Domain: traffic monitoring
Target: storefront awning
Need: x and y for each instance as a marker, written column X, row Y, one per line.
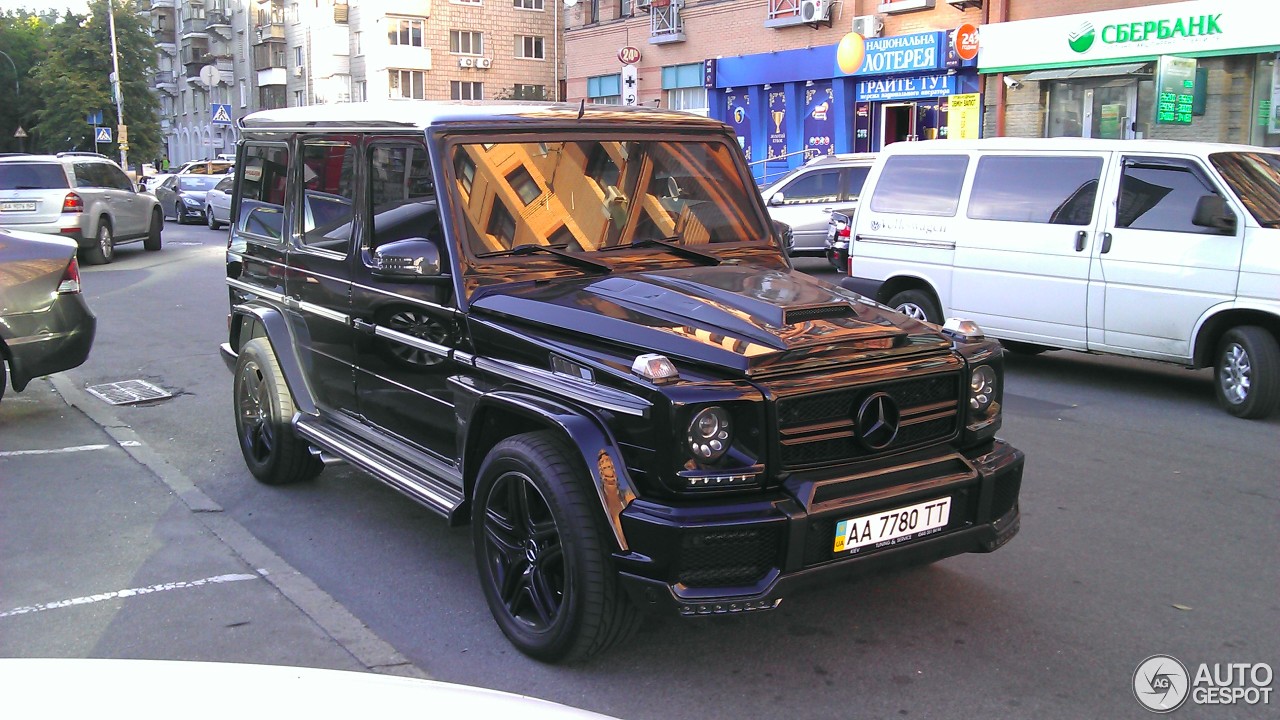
column 1087, row 72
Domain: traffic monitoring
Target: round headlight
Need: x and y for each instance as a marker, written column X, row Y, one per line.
column 709, row 434
column 982, row 388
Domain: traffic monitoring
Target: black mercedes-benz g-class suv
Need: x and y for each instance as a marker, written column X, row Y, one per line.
column 574, row 328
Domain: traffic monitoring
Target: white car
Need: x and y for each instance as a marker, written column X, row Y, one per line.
column 217, row 203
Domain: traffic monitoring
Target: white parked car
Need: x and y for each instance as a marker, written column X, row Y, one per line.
column 805, row 197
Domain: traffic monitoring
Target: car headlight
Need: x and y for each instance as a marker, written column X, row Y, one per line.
column 709, row 434
column 982, row 389
column 190, row 201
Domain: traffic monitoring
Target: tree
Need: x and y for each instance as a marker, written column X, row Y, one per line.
column 24, row 38
column 76, row 79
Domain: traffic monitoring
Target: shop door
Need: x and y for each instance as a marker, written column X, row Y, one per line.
column 1099, row 110
column 897, row 123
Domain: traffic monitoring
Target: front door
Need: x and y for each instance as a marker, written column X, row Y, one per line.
column 897, row 123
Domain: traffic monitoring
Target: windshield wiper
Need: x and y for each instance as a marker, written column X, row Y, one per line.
column 529, row 249
column 682, row 250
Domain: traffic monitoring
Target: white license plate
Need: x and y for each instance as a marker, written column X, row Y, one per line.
column 17, row 206
column 893, row 526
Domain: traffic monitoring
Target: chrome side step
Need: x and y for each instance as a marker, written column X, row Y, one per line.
column 434, row 493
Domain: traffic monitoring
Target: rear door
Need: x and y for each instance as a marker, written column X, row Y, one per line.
column 32, row 192
column 129, row 209
column 1022, row 265
column 1158, row 273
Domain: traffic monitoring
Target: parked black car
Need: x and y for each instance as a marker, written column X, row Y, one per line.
column 575, row 328
column 182, row 197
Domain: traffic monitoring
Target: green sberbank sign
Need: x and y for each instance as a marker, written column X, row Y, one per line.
column 1192, row 29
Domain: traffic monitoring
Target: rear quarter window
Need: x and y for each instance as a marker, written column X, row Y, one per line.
column 920, row 185
column 32, row 176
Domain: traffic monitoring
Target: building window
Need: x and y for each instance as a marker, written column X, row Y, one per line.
column 529, row 4
column 605, row 89
column 294, row 15
column 529, row 92
column 467, row 2
column 462, row 90
column 406, row 84
column 531, row 47
column 360, row 93
column 357, row 47
column 244, row 94
column 297, row 54
column 684, row 88
column 466, row 42
column 405, row 31
column 297, row 98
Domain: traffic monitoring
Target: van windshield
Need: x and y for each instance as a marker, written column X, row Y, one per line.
column 1255, row 178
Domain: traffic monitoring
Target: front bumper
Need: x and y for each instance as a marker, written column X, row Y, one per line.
column 736, row 557
column 51, row 341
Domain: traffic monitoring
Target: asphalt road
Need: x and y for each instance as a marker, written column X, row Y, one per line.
column 1149, row 526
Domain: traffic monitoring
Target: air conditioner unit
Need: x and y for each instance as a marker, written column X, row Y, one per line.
column 299, row 71
column 466, row 62
column 815, row 11
column 641, row 5
column 484, row 63
column 868, row 26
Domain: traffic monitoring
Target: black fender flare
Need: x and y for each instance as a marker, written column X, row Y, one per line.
column 586, row 433
column 279, row 333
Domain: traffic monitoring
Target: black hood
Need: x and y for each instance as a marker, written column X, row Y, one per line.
column 748, row 319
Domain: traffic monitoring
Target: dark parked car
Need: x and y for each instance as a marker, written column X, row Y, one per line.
column 182, row 197
column 575, row 329
column 45, row 324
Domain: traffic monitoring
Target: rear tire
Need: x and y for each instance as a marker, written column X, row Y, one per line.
column 917, row 305
column 542, row 552
column 1247, row 372
column 153, row 240
column 209, row 220
column 103, row 249
column 264, row 416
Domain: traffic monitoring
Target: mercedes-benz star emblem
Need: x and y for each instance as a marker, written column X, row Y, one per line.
column 876, row 422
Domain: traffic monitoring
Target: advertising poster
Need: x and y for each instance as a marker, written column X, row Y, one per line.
column 964, row 119
column 819, row 119
column 1110, row 126
column 739, row 118
column 777, row 124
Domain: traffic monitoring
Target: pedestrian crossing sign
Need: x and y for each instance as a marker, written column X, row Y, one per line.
column 221, row 114
column 102, row 134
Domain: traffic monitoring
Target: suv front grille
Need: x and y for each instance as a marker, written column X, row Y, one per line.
column 725, row 557
column 818, row 428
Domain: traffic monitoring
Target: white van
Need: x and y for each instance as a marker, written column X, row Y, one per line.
column 1153, row 249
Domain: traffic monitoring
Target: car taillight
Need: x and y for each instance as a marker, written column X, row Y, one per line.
column 70, row 279
column 72, row 203
column 842, row 229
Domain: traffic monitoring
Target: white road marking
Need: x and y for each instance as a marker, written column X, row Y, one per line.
column 130, row 592
column 54, row 451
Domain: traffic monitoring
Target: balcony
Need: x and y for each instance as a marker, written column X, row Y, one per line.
column 219, row 21
column 163, row 80
column 193, row 28
column 783, row 13
column 161, row 4
column 666, row 25
column 265, row 32
column 269, row 56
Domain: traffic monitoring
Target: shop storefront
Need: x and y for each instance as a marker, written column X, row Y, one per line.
column 1202, row 70
column 855, row 96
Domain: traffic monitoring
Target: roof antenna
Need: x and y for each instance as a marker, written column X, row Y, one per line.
column 582, row 108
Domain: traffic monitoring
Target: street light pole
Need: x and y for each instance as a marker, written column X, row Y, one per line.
column 17, row 100
column 115, row 85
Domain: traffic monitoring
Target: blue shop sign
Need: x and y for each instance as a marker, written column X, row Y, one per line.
column 854, row 55
column 903, row 88
column 894, row 54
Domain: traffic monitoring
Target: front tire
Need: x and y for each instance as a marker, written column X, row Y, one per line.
column 1247, row 372
column 153, row 240
column 177, row 213
column 541, row 552
column 264, row 413
column 918, row 305
column 103, row 250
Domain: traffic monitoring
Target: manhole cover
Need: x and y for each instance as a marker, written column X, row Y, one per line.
column 127, row 392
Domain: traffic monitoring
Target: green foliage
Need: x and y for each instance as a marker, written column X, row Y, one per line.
column 68, row 74
column 23, row 37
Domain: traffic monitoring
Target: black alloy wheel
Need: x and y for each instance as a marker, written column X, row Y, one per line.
column 264, row 411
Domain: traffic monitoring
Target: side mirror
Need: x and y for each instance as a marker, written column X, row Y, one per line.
column 1212, row 212
column 777, row 198
column 406, row 259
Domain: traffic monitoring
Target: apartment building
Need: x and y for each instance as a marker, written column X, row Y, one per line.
column 218, row 60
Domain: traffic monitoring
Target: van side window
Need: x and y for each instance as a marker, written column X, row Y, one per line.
column 920, row 185
column 1161, row 194
column 262, row 191
column 1057, row 190
column 328, row 172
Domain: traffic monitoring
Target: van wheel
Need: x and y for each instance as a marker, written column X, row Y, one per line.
column 918, row 305
column 541, row 551
column 1248, row 372
column 1022, row 348
column 264, row 413
column 103, row 249
column 153, row 241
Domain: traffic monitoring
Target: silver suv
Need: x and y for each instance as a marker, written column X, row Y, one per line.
column 805, row 197
column 82, row 196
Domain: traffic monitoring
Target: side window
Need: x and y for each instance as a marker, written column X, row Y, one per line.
column 814, row 187
column 402, row 193
column 88, row 175
column 119, row 180
column 857, row 178
column 920, row 185
column 1057, row 190
column 328, row 172
column 225, row 184
column 1161, row 194
column 261, row 191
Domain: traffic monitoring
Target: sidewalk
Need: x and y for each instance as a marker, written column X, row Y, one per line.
column 106, row 551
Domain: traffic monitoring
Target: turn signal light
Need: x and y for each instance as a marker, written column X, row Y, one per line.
column 70, row 279
column 72, row 203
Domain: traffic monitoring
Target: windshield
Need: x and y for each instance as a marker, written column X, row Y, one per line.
column 198, row 182
column 586, row 196
column 1255, row 178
